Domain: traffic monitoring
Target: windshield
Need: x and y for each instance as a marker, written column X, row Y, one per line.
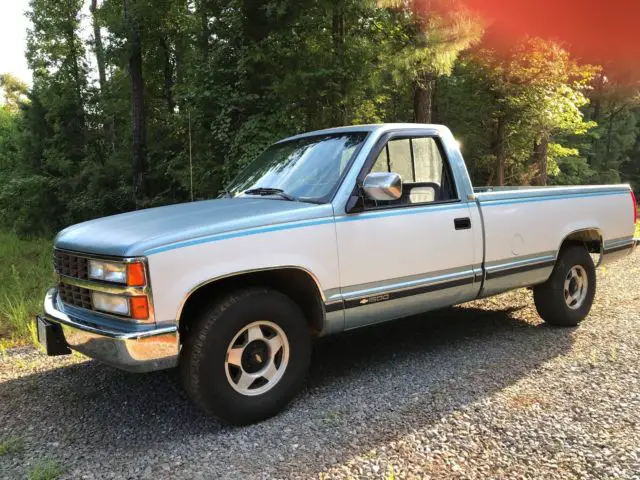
column 307, row 169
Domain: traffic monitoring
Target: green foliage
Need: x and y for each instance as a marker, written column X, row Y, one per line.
column 25, row 276
column 11, row 446
column 46, row 470
column 223, row 79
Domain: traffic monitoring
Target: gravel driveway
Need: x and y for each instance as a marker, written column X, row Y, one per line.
column 483, row 390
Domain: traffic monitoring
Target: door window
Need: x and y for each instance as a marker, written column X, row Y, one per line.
column 425, row 174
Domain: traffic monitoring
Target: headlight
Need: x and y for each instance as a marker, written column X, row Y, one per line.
column 107, row 271
column 105, row 302
column 126, row 273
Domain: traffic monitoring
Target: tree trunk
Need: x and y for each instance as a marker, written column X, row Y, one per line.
column 139, row 143
column 596, row 101
column 435, row 107
column 337, row 34
column 204, row 31
column 500, row 150
column 168, row 74
column 540, row 157
column 423, row 99
column 98, row 48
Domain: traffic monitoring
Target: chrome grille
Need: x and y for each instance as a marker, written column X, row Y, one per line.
column 70, row 265
column 76, row 296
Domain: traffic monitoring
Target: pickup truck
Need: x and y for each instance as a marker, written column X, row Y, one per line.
column 324, row 232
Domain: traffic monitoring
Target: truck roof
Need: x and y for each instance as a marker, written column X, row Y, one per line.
column 368, row 128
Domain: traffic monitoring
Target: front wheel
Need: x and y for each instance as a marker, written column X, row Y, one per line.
column 247, row 356
column 565, row 299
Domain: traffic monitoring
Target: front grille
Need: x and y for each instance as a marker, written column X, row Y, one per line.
column 76, row 296
column 70, row 265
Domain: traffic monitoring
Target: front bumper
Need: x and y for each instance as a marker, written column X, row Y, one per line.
column 131, row 350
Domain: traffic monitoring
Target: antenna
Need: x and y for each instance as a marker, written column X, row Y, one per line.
column 190, row 159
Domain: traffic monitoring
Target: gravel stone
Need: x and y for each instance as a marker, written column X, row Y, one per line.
column 483, row 390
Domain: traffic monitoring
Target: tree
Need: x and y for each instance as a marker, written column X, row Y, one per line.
column 203, row 86
column 538, row 93
column 437, row 32
column 15, row 91
column 139, row 134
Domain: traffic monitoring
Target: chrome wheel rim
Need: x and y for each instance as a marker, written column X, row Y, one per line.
column 576, row 286
column 257, row 358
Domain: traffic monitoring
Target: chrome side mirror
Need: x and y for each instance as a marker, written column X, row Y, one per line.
column 382, row 186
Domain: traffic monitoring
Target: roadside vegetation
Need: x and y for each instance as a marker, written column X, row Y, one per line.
column 46, row 470
column 24, row 277
column 11, row 446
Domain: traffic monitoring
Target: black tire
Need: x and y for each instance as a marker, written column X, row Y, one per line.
column 549, row 297
column 204, row 353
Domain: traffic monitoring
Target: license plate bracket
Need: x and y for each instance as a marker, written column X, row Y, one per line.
column 51, row 337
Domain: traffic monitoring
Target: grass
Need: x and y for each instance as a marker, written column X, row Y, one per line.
column 11, row 446
column 46, row 470
column 25, row 275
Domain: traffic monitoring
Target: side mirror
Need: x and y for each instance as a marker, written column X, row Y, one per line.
column 382, row 186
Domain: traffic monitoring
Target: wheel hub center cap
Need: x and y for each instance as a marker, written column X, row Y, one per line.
column 255, row 356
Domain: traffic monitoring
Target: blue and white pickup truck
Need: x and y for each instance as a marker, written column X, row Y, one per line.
column 324, row 232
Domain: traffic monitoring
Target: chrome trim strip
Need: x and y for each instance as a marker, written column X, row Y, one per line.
column 499, row 267
column 629, row 245
column 384, row 291
column 609, row 244
column 408, row 285
column 98, row 286
column 108, row 258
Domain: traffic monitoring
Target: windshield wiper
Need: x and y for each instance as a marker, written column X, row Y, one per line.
column 270, row 191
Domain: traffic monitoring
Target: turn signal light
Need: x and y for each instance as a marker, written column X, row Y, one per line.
column 139, row 307
column 135, row 274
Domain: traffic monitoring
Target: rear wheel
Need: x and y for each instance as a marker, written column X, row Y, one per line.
column 247, row 356
column 565, row 299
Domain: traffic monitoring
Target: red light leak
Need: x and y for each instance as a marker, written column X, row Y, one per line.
column 600, row 32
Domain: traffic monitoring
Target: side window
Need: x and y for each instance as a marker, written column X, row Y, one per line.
column 396, row 157
column 428, row 160
column 400, row 158
column 425, row 174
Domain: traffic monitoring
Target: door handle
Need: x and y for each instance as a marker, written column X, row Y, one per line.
column 463, row 223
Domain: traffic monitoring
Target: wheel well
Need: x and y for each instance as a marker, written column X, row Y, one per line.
column 297, row 284
column 591, row 238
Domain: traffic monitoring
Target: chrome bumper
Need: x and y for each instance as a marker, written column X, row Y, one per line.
column 135, row 351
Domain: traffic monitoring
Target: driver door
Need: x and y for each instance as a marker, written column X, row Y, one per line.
column 406, row 256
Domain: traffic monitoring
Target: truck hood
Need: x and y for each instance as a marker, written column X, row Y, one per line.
column 138, row 233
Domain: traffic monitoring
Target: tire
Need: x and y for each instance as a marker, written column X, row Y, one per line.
column 561, row 302
column 280, row 348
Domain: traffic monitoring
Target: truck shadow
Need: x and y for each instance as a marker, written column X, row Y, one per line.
column 380, row 382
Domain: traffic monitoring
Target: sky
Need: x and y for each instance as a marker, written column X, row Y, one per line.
column 13, row 38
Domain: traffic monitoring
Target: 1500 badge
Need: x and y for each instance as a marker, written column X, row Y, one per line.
column 377, row 298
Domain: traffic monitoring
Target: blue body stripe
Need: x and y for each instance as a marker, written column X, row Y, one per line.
column 365, row 216
column 507, row 201
column 236, row 234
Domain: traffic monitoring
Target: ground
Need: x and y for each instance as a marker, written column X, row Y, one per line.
column 479, row 391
